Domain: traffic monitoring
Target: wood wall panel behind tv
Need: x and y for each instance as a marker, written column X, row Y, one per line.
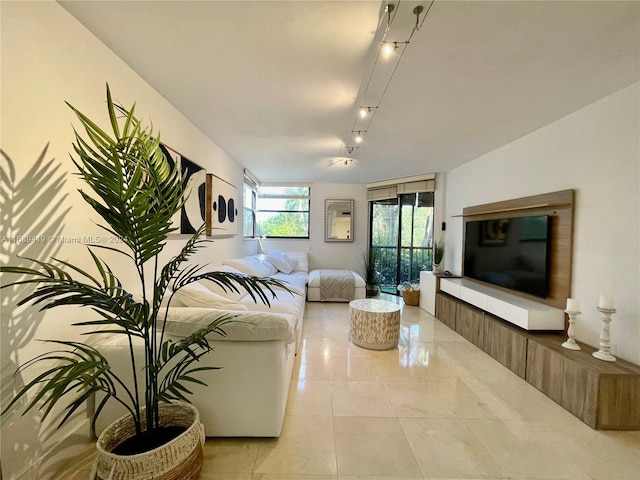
column 559, row 207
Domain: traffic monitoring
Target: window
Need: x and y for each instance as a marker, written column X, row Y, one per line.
column 401, row 226
column 283, row 211
column 250, row 194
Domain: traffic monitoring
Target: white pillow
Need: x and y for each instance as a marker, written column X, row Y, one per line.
column 303, row 260
column 281, row 261
column 253, row 265
column 195, row 294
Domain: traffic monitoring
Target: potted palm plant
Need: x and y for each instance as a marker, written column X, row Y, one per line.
column 136, row 192
column 370, row 273
column 438, row 255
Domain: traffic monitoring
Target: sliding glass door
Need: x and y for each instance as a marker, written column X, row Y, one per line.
column 401, row 238
column 384, row 235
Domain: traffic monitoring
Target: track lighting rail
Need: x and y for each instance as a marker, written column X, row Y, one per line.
column 385, row 50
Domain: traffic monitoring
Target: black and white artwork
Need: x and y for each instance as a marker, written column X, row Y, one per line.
column 222, row 207
column 193, row 213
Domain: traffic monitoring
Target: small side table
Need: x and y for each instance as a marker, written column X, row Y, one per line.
column 374, row 324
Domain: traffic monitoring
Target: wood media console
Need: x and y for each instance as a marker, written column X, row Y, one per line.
column 604, row 395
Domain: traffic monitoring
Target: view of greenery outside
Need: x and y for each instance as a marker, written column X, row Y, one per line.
column 384, row 240
column 402, row 235
column 283, row 212
column 248, row 228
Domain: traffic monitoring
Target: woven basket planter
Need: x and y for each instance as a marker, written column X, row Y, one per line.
column 411, row 297
column 179, row 459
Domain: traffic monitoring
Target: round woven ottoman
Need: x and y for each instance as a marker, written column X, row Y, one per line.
column 374, row 324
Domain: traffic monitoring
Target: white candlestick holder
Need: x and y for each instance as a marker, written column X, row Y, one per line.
column 604, row 353
column 570, row 343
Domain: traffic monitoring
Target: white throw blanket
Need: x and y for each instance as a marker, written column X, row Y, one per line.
column 337, row 285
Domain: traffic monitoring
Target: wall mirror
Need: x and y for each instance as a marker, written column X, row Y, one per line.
column 338, row 220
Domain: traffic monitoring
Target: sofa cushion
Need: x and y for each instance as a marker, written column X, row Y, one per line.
column 284, row 302
column 255, row 265
column 281, row 261
column 196, row 294
column 303, row 261
column 295, row 281
column 245, row 326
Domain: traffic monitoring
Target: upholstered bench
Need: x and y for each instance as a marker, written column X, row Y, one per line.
column 335, row 286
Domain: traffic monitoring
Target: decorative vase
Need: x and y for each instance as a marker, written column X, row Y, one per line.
column 178, row 459
column 438, row 268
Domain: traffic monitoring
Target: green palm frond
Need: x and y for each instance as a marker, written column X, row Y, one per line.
column 137, row 191
column 187, row 351
column 234, row 282
column 56, row 287
column 173, row 266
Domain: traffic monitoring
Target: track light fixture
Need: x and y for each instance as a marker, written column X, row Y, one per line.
column 386, row 49
column 364, row 111
column 389, row 47
column 417, row 11
column 388, row 9
column 358, row 137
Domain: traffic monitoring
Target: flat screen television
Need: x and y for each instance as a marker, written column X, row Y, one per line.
column 509, row 252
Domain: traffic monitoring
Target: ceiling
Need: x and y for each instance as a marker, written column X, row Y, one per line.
column 278, row 84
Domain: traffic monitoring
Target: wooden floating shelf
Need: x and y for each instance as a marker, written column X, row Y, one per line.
column 515, row 209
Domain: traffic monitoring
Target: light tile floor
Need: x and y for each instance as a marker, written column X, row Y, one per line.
column 435, row 408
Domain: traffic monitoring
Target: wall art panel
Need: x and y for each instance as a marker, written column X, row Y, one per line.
column 193, row 213
column 222, row 207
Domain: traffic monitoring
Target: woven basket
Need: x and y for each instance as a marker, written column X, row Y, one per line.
column 179, row 459
column 411, row 297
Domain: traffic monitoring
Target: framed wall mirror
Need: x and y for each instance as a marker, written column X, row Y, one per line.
column 338, row 220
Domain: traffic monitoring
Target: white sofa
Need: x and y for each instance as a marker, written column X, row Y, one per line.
column 247, row 396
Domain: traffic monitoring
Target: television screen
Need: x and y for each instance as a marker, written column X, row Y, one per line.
column 509, row 252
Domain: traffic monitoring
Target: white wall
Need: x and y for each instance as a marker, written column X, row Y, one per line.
column 596, row 152
column 49, row 58
column 347, row 255
column 440, row 207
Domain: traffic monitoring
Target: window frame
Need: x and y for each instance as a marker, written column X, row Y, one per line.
column 249, row 210
column 274, row 196
column 402, row 254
